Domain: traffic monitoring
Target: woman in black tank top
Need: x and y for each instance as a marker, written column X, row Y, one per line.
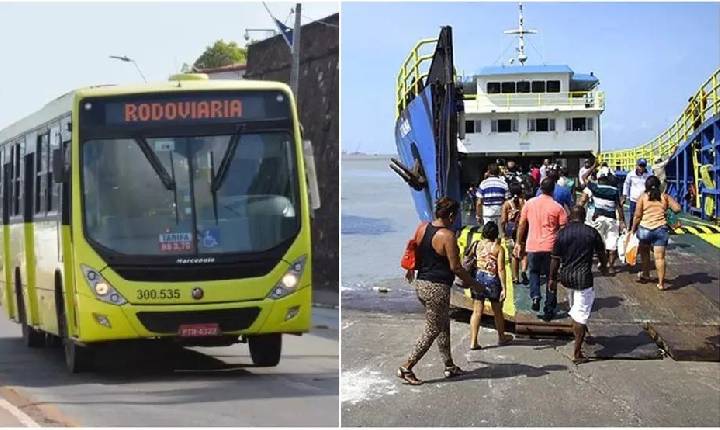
column 436, row 274
column 432, row 266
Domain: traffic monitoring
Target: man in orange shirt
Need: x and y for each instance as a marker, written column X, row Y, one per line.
column 540, row 220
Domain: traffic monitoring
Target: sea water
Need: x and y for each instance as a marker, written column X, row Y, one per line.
column 378, row 218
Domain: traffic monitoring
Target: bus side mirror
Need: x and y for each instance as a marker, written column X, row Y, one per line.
column 311, row 175
column 58, row 157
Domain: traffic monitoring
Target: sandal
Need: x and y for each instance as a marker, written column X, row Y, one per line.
column 408, row 376
column 661, row 287
column 475, row 348
column 452, row 371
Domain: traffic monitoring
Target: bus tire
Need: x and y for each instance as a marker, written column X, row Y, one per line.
column 31, row 338
column 77, row 358
column 265, row 349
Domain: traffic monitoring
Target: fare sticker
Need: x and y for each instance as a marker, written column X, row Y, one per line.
column 175, row 242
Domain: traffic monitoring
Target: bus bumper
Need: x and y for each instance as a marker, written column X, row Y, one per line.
column 99, row 322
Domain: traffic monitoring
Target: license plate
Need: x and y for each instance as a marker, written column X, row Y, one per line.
column 196, row 330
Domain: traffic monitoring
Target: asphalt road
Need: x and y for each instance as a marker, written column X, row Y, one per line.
column 154, row 386
column 531, row 382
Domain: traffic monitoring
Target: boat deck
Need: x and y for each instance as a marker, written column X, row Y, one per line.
column 632, row 320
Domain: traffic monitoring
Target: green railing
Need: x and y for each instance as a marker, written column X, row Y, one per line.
column 414, row 69
column 704, row 104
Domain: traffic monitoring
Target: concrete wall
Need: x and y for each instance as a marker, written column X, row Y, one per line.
column 318, row 107
column 228, row 74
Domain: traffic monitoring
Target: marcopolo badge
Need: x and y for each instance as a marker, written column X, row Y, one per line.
column 197, row 293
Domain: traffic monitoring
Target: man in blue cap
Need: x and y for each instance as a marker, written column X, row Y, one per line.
column 635, row 186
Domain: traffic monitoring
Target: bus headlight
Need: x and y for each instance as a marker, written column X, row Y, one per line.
column 101, row 288
column 290, row 280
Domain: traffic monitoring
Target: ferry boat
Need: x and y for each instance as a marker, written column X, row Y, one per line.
column 448, row 128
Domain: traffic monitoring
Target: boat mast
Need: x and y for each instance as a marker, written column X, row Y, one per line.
column 521, row 32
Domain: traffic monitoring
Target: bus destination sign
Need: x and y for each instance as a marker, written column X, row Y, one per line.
column 184, row 108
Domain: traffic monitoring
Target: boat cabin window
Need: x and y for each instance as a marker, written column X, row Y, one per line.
column 472, row 126
column 508, row 87
column 523, row 87
column 541, row 124
column 553, row 86
column 538, row 86
column 579, row 124
column 493, row 87
column 503, row 125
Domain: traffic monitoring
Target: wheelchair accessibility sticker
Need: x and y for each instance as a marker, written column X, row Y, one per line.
column 210, row 238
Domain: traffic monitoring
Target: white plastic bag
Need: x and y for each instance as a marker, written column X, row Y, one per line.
column 621, row 247
column 631, row 250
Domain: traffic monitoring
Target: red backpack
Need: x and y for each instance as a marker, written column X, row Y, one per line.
column 409, row 257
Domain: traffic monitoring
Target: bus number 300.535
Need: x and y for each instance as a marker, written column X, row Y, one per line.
column 158, row 294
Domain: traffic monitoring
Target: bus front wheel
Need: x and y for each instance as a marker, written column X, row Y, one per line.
column 77, row 358
column 265, row 349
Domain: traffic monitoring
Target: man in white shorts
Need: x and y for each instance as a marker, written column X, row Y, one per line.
column 608, row 217
column 571, row 259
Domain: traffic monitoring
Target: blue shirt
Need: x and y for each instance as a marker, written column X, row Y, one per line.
column 561, row 195
column 493, row 191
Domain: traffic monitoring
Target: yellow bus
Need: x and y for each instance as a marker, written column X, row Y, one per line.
column 176, row 211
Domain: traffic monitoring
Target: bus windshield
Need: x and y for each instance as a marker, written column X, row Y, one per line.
column 222, row 193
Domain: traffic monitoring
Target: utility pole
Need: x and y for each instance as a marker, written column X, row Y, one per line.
column 295, row 67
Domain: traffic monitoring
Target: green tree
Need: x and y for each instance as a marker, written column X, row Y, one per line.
column 221, row 54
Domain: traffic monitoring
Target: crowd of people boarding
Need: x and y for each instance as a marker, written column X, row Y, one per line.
column 554, row 224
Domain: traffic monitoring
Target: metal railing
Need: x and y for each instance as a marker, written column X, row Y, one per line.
column 704, row 104
column 583, row 99
column 412, row 73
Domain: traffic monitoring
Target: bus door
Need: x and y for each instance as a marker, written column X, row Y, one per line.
column 8, row 300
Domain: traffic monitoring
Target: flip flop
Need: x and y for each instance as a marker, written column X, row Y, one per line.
column 475, row 348
column 580, row 360
column 505, row 340
column 641, row 279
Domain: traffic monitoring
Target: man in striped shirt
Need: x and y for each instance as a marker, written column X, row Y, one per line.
column 491, row 194
column 609, row 218
column 572, row 257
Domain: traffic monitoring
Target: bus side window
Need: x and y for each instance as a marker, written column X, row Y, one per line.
column 53, row 195
column 17, row 178
column 41, row 170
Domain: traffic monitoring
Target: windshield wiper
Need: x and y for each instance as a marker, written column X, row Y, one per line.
column 219, row 178
column 155, row 162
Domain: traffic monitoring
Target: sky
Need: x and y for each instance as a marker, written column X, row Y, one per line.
column 51, row 48
column 649, row 57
